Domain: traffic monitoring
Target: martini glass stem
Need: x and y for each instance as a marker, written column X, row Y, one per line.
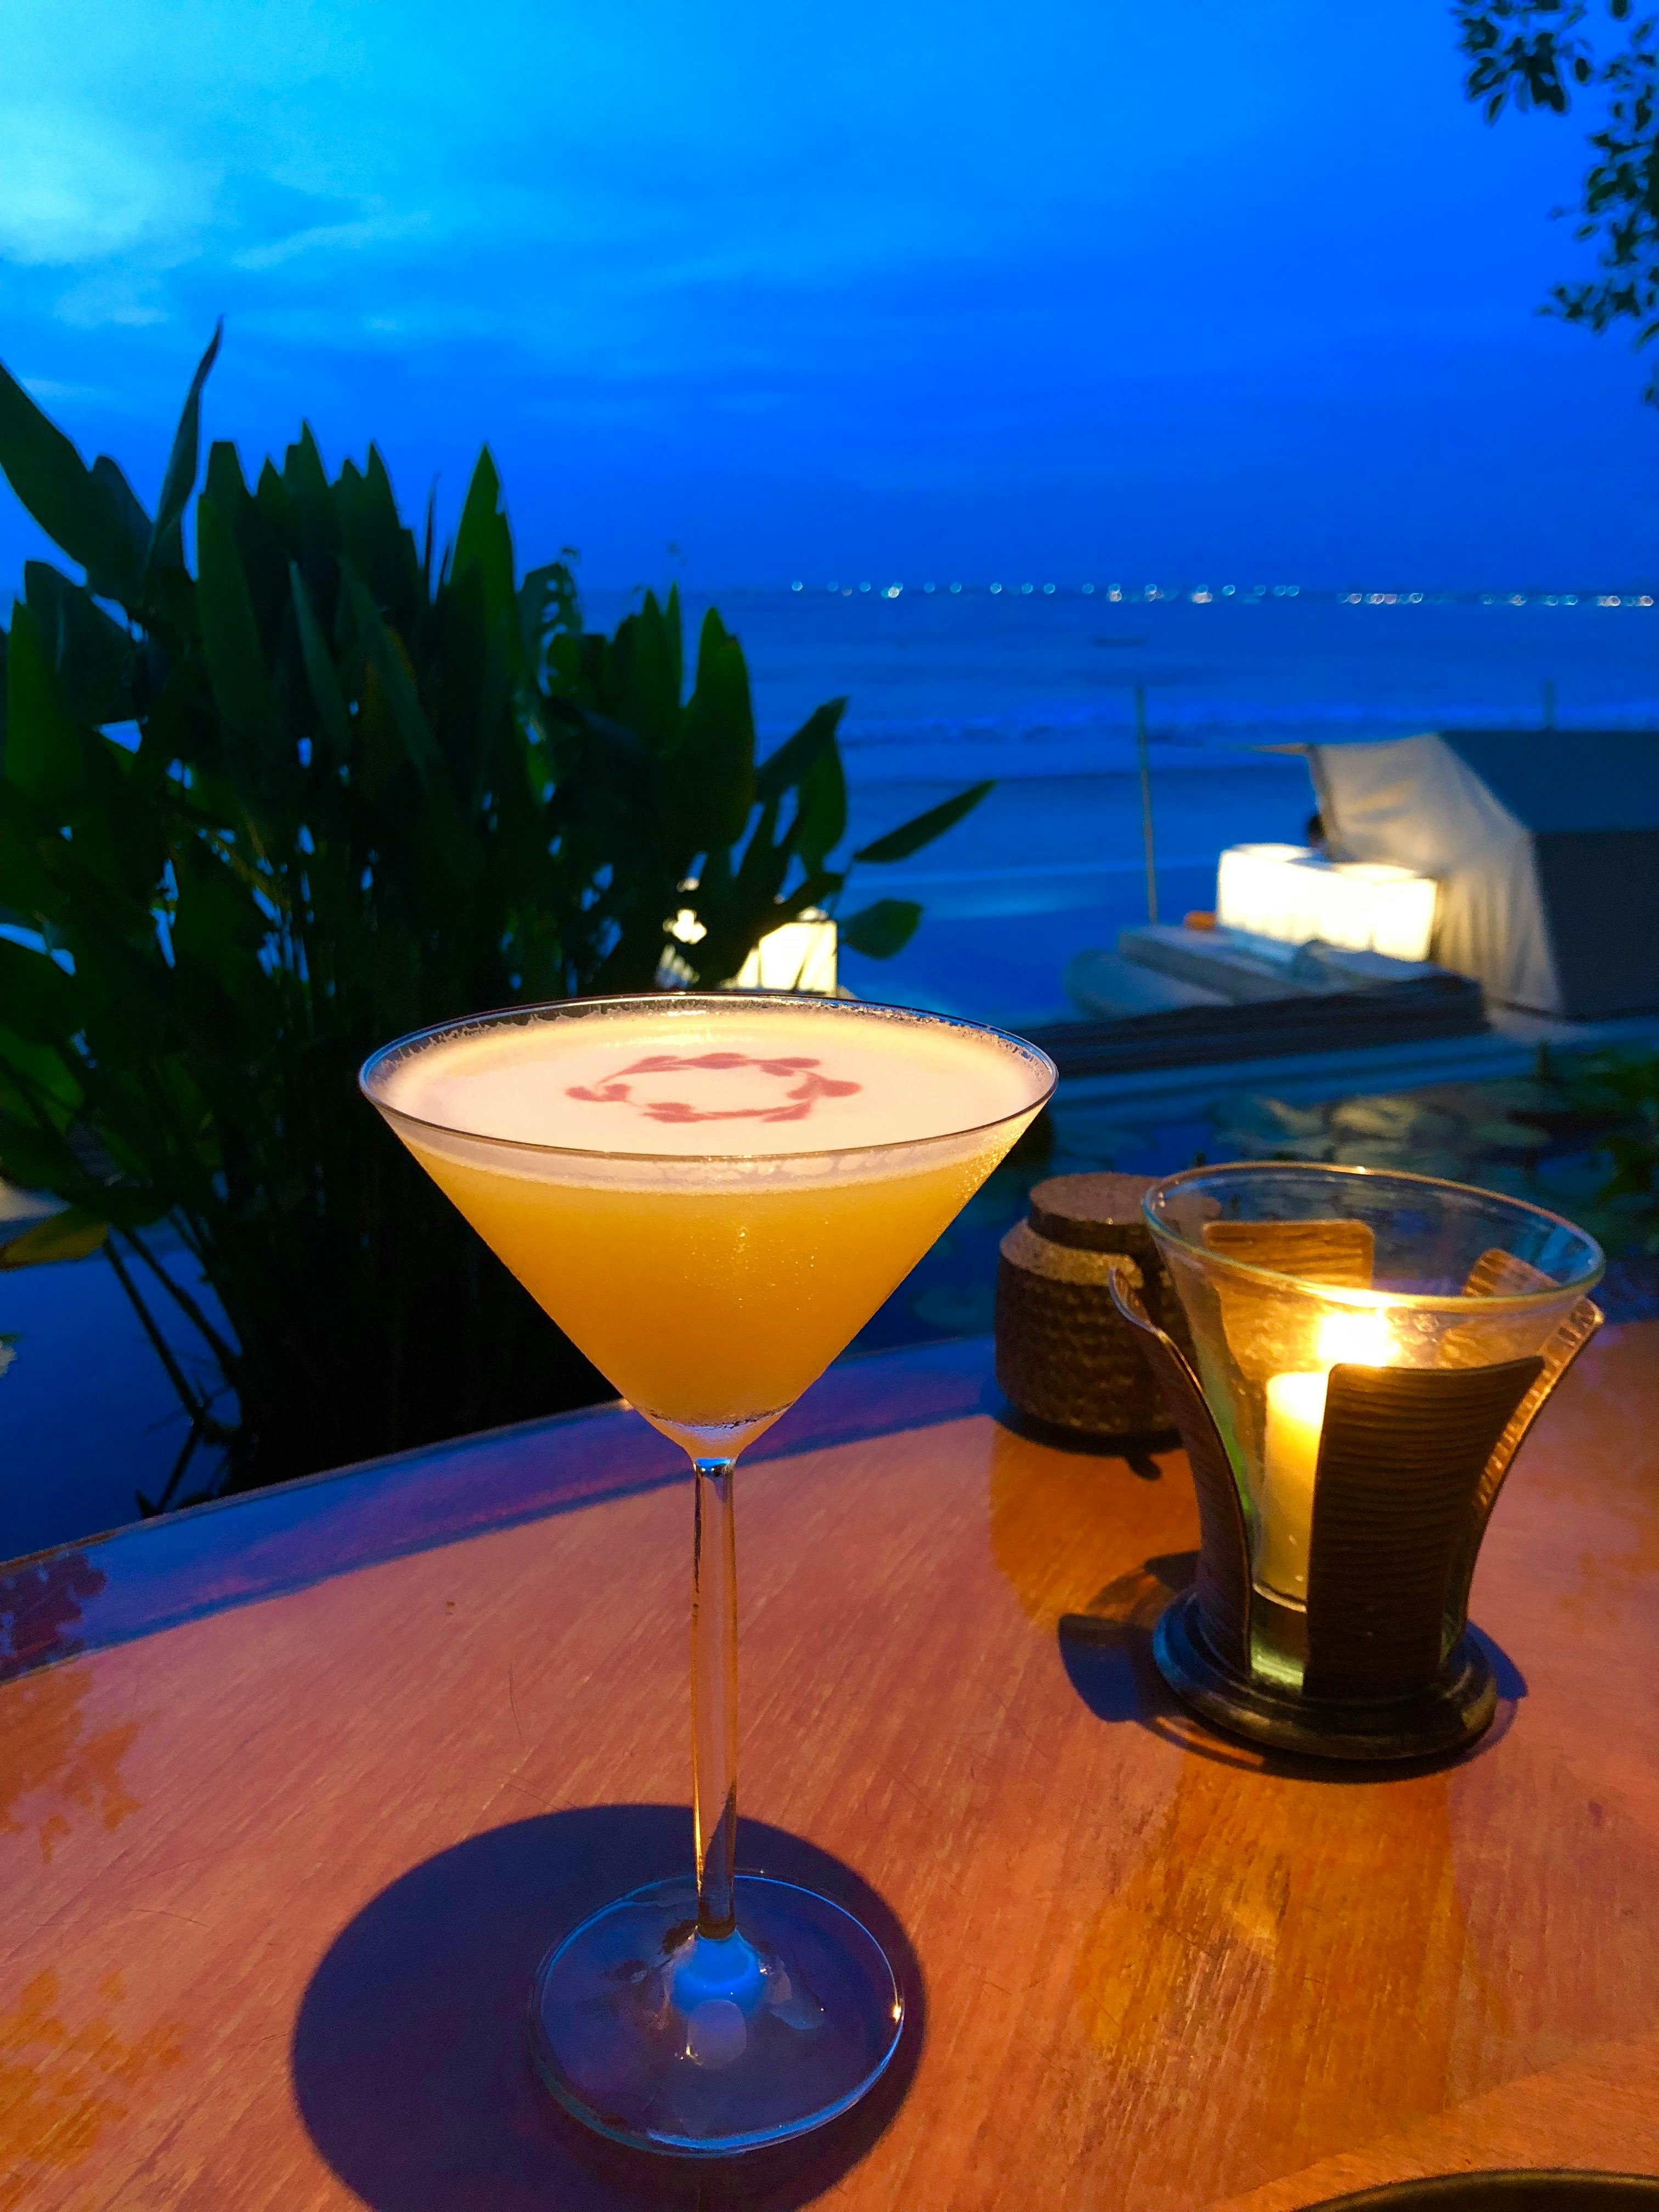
column 714, row 1696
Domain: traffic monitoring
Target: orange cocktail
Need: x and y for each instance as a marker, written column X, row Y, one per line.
column 711, row 1196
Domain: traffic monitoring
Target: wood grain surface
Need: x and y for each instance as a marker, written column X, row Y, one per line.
column 281, row 1848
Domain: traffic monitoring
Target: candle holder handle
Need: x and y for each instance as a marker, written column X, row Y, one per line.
column 1495, row 1273
column 1220, row 1599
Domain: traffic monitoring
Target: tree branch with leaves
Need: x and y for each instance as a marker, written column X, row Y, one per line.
column 1538, row 54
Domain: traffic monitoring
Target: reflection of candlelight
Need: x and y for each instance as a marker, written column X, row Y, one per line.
column 1290, row 1457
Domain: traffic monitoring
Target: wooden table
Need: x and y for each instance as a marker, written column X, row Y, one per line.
column 283, row 1844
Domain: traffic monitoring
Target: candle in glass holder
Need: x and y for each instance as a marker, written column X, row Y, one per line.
column 1290, row 1453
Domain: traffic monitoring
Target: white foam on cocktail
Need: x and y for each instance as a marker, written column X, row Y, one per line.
column 679, row 1080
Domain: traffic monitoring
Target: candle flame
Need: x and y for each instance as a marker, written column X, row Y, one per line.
column 1360, row 1340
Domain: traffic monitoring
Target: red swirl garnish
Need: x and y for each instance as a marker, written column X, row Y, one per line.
column 797, row 1104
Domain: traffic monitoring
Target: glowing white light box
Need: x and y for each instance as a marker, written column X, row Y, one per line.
column 1288, row 892
column 798, row 956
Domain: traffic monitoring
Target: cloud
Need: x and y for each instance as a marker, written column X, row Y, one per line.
column 75, row 189
column 379, row 227
column 126, row 298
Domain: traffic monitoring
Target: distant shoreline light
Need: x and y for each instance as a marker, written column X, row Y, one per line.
column 1204, row 595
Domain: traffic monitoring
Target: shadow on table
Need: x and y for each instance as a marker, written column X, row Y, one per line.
column 1107, row 1652
column 412, row 2064
column 1139, row 1452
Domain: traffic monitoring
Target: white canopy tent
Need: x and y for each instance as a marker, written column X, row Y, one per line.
column 1545, row 845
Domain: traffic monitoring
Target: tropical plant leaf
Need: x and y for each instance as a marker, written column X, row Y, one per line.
column 765, row 862
column 43, row 759
column 73, row 504
column 391, row 664
column 796, row 755
column 40, row 999
column 41, row 1087
column 128, row 510
column 93, row 656
column 709, row 786
column 376, row 541
column 646, row 661
column 881, row 929
column 230, row 636
column 820, row 821
column 305, row 481
column 910, row 836
column 260, row 538
column 483, row 540
column 166, row 544
column 325, row 684
column 71, row 1235
column 674, row 631
column 815, row 889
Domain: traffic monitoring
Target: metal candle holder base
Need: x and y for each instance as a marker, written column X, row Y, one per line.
column 1443, row 1716
column 1376, row 1662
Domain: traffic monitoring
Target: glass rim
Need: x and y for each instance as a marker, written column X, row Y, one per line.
column 1352, row 1294
column 795, row 1000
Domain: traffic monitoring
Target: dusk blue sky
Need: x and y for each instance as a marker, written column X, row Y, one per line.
column 1101, row 290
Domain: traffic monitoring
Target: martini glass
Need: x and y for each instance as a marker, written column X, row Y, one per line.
column 711, row 1196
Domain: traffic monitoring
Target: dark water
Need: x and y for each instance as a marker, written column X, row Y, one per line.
column 1487, row 1134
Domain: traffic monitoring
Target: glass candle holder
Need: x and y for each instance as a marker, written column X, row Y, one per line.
column 1368, row 1351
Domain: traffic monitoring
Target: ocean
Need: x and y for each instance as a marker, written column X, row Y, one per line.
column 1035, row 689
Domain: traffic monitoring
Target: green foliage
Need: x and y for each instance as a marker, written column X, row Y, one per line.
column 1530, row 53
column 899, row 844
column 71, row 1235
column 331, row 786
column 1615, row 1098
column 882, row 929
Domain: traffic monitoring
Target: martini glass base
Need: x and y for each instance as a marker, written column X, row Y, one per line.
column 658, row 2038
